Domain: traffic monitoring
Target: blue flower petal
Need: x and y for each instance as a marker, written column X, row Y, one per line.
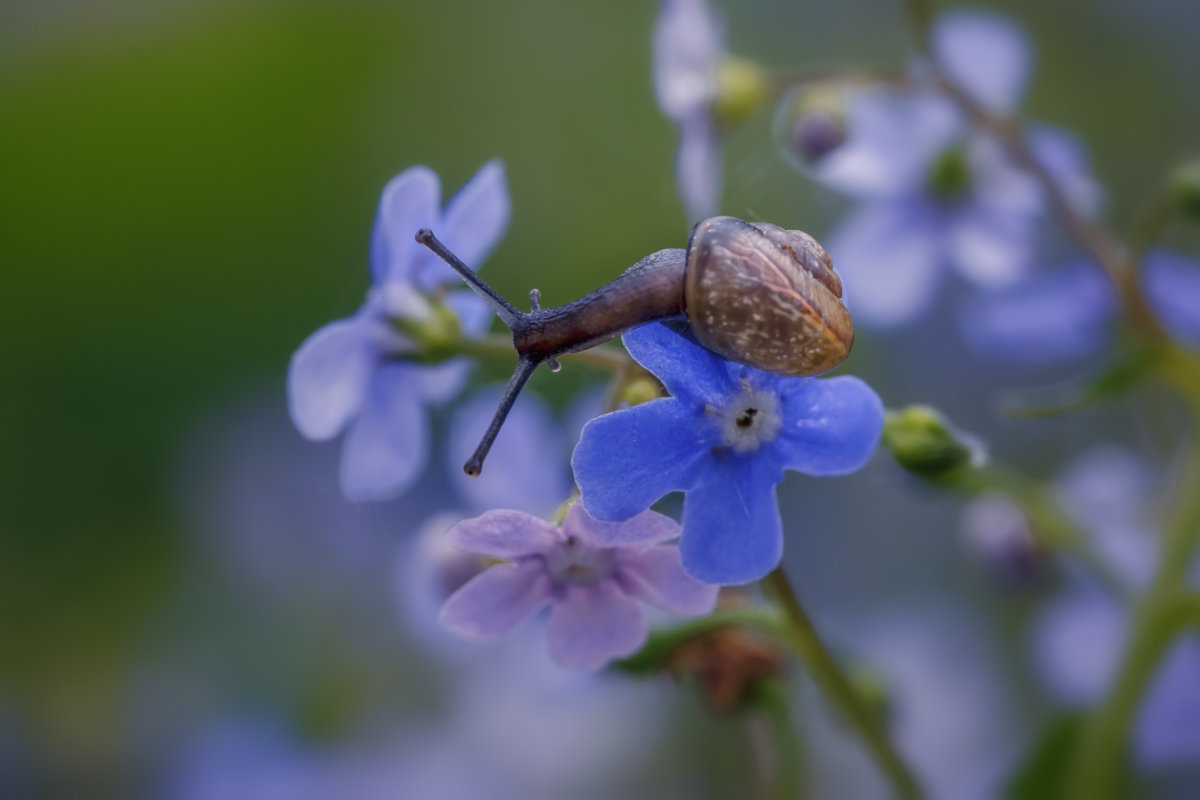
column 732, row 532
column 328, row 376
column 984, row 54
column 888, row 255
column 1065, row 157
column 471, row 226
column 1050, row 317
column 625, row 461
column 687, row 46
column 593, row 625
column 388, row 444
column 689, row 371
column 831, row 426
column 990, row 248
column 1173, row 288
column 1166, row 729
column 409, row 202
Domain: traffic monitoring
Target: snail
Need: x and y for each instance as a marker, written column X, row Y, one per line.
column 751, row 292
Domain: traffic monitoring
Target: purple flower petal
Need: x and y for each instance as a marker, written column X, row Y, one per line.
column 593, row 625
column 409, row 202
column 1172, row 285
column 492, row 603
column 732, row 533
column 687, row 47
column 328, row 377
column 503, row 533
column 473, row 222
column 689, row 371
column 625, row 461
column 441, row 383
column 1077, row 642
column 831, row 426
column 474, row 316
column 656, row 576
column 1049, row 317
column 892, row 138
column 1065, row 157
column 1168, row 726
column 647, row 528
column 698, row 167
column 888, row 256
column 991, row 249
column 984, row 54
column 389, row 442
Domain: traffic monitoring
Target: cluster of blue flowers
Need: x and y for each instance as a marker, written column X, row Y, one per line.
column 933, row 193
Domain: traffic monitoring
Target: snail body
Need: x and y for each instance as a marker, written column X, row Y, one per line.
column 753, row 293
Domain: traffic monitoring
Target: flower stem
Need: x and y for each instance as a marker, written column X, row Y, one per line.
column 821, row 665
column 1158, row 617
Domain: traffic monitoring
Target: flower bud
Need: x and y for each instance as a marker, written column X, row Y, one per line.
column 810, row 123
column 924, row 443
column 999, row 534
column 741, row 90
column 1185, row 189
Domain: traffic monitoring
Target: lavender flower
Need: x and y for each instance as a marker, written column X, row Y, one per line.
column 933, row 194
column 724, row 437
column 1068, row 313
column 592, row 573
column 1080, row 635
column 353, row 374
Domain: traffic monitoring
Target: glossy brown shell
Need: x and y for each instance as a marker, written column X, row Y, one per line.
column 767, row 297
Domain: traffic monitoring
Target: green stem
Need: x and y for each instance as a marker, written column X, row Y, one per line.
column 771, row 698
column 825, row 671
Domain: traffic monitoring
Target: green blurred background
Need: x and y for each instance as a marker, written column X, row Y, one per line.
column 186, row 190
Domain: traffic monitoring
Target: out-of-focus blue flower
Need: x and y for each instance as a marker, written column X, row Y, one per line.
column 933, row 194
column 1080, row 635
column 724, row 437
column 945, row 700
column 1172, row 287
column 688, row 49
column 527, row 463
column 1068, row 313
column 352, row 374
column 1048, row 318
column 999, row 535
column 593, row 574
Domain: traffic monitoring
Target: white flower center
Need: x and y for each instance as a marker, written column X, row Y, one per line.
column 749, row 420
column 576, row 563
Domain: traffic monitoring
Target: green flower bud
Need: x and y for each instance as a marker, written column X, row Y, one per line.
column 1185, row 189
column 949, row 174
column 741, row 90
column 924, row 443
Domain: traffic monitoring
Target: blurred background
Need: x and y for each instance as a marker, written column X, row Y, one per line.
column 187, row 192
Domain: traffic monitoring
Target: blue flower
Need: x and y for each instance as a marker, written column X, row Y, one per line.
column 353, row 374
column 592, row 573
column 1079, row 637
column 688, row 49
column 934, row 194
column 724, row 437
column 1068, row 313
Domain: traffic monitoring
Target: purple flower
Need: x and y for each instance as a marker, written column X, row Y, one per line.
column 592, row 573
column 934, row 195
column 1079, row 637
column 353, row 374
column 724, row 437
column 1068, row 313
column 688, row 49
